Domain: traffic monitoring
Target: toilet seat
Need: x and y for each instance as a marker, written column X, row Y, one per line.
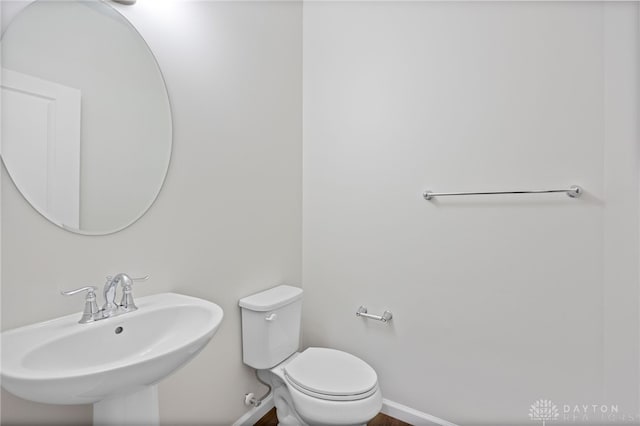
column 332, row 375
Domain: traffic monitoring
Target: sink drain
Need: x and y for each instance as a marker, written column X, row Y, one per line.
column 119, row 330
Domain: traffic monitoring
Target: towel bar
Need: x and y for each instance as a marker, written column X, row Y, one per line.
column 385, row 317
column 574, row 191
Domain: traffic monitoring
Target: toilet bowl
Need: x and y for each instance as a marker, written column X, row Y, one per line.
column 325, row 386
column 318, row 386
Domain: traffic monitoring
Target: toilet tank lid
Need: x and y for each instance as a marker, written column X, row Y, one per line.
column 271, row 299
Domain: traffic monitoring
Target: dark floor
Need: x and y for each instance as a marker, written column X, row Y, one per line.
column 270, row 419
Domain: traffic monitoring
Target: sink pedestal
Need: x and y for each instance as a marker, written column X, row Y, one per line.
column 136, row 408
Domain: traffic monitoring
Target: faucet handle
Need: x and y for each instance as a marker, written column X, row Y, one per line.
column 90, row 289
column 127, row 277
column 127, row 304
column 90, row 305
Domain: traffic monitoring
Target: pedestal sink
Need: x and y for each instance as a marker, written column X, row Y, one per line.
column 115, row 363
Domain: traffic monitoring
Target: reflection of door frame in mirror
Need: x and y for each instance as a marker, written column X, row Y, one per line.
column 55, row 174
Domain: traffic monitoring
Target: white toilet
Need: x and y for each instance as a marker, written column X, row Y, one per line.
column 318, row 386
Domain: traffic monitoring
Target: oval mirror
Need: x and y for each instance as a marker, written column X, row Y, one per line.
column 86, row 119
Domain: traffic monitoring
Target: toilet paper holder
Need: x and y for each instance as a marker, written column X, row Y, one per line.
column 385, row 317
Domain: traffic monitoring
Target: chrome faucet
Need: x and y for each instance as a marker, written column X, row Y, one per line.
column 110, row 308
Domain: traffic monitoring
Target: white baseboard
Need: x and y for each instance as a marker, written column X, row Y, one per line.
column 390, row 408
column 411, row 416
column 252, row 416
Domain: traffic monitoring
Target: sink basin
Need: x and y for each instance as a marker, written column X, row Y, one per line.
column 63, row 362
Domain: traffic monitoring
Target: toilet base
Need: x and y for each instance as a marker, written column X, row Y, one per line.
column 287, row 416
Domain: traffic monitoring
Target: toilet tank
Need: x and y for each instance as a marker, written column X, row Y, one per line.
column 271, row 326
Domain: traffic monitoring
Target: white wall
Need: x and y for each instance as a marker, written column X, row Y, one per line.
column 497, row 301
column 226, row 224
